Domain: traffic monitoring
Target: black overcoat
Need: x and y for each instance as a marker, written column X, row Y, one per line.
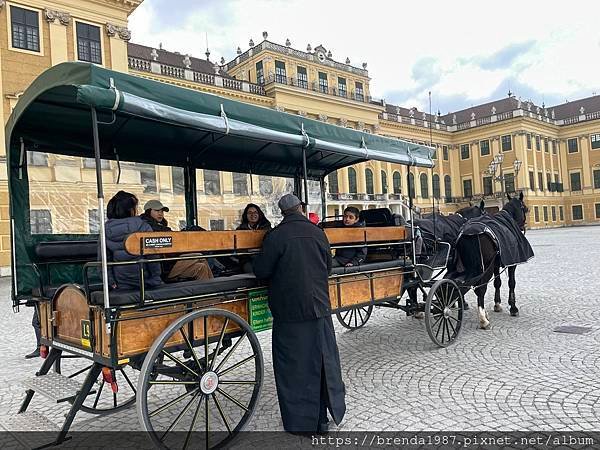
column 296, row 259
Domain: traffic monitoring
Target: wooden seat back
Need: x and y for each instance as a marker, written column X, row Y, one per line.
column 153, row 243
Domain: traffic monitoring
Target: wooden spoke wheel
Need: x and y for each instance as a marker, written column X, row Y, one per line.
column 103, row 399
column 444, row 308
column 355, row 318
column 205, row 389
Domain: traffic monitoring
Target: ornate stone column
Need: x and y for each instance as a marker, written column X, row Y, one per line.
column 58, row 22
column 118, row 37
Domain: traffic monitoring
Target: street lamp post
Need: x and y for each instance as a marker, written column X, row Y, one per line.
column 496, row 166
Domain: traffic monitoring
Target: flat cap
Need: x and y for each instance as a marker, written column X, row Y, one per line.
column 288, row 201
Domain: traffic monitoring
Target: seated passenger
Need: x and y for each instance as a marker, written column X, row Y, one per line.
column 186, row 269
column 254, row 219
column 123, row 220
column 353, row 256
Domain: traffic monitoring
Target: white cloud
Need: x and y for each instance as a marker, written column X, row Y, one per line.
column 394, row 35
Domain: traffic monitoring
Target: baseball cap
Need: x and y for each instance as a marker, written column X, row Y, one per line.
column 156, row 205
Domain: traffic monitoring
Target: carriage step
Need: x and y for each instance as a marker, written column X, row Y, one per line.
column 54, row 386
column 30, row 429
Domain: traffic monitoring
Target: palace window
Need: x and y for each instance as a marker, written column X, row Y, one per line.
column 341, row 87
column 352, row 186
column 597, row 208
column 447, row 186
column 509, row 182
column 545, row 213
column 217, row 225
column 561, row 213
column 536, row 214
column 240, row 183
column 538, row 146
column 212, row 182
column 575, row 181
column 506, row 143
column 577, row 211
column 546, row 146
column 445, row 152
column 359, row 93
column 384, row 183
column 280, row 73
column 467, row 188
column 528, row 142
column 424, row 185
column 302, row 77
column 178, row 180
column 333, row 183
column 435, row 181
column 397, row 182
column 554, row 214
column 553, row 147
column 90, row 163
column 531, row 180
column 260, row 73
column 25, row 29
column 484, row 147
column 93, row 221
column 148, row 177
column 41, row 221
column 37, row 159
column 595, row 140
column 540, row 181
column 323, row 83
column 265, row 185
column 369, row 181
column 487, row 186
column 89, row 48
column 572, row 145
column 465, row 151
column 597, row 179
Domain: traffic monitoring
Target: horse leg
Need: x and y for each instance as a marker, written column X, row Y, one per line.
column 497, row 284
column 412, row 304
column 514, row 311
column 484, row 323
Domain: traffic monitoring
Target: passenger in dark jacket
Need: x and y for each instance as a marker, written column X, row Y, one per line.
column 352, row 256
column 296, row 259
column 121, row 212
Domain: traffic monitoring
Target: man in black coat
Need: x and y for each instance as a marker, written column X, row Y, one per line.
column 296, row 259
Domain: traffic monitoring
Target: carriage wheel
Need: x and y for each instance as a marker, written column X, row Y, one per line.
column 355, row 318
column 205, row 390
column 444, row 312
column 103, row 400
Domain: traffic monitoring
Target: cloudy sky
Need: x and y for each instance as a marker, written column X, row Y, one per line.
column 465, row 52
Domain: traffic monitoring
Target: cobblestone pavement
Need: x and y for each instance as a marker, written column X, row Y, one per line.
column 520, row 375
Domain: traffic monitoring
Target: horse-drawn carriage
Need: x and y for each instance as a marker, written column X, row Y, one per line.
column 194, row 343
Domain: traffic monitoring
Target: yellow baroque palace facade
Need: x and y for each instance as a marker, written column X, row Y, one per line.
column 550, row 153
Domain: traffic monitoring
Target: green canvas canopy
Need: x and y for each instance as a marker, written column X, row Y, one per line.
column 145, row 121
column 157, row 123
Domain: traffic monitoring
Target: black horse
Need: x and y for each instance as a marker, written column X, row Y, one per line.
column 433, row 230
column 484, row 246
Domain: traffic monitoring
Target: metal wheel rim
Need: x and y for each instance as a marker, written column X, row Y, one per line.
column 157, row 347
column 355, row 318
column 444, row 308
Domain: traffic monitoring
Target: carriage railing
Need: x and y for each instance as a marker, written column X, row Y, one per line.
column 437, row 260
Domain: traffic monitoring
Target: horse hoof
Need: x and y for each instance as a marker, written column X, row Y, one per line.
column 484, row 327
column 514, row 313
column 497, row 307
column 419, row 315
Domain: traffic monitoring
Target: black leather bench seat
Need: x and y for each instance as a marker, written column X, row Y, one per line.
column 56, row 251
column 368, row 267
column 178, row 290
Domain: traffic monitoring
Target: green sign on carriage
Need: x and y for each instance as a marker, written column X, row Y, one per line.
column 260, row 314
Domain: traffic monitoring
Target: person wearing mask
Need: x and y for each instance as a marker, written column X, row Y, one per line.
column 296, row 261
column 185, row 269
column 123, row 220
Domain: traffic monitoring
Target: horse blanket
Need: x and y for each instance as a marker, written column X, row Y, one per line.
column 444, row 228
